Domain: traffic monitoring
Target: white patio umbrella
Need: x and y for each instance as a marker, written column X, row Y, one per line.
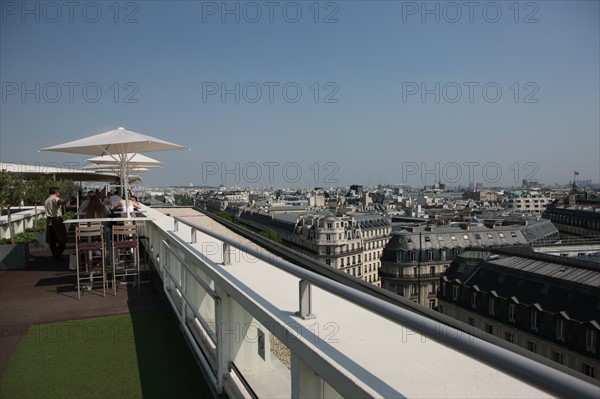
column 120, row 144
column 136, row 163
column 134, row 160
column 113, row 169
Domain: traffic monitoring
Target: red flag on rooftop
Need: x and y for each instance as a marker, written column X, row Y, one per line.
column 576, row 173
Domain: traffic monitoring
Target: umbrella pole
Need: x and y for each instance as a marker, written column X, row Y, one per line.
column 124, row 181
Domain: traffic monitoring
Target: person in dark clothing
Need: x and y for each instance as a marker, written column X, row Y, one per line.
column 56, row 232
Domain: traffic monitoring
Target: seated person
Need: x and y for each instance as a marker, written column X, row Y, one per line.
column 121, row 206
column 131, row 196
column 95, row 208
column 84, row 204
column 114, row 199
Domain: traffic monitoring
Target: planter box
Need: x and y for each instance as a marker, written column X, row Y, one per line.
column 14, row 256
column 41, row 244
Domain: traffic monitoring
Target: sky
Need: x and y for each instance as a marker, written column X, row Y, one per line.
column 311, row 94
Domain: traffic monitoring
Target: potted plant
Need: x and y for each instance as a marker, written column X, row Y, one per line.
column 14, row 252
column 12, row 191
column 39, row 231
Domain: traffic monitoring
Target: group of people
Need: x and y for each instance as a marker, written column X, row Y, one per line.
column 92, row 207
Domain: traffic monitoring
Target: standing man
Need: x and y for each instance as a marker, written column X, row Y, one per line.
column 56, row 233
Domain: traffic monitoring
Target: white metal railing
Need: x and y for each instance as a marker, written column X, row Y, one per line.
column 210, row 304
column 20, row 219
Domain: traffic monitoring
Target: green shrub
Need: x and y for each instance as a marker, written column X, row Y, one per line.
column 40, row 225
column 224, row 215
column 21, row 238
column 271, row 235
column 68, row 215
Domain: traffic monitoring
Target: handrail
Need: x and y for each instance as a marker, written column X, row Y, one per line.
column 541, row 376
column 198, row 279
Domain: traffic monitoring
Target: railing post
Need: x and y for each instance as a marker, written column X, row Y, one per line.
column 175, row 225
column 305, row 299
column 194, row 239
column 226, row 254
column 222, row 320
column 162, row 260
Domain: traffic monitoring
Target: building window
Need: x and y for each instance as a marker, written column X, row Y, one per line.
column 432, row 304
column 432, row 271
column 415, row 272
column 588, row 370
column 328, row 237
column 329, row 225
column 328, row 261
column 414, row 289
column 489, row 329
column 513, row 234
column 478, row 236
column 400, row 289
column 453, row 238
column 511, row 312
column 466, row 236
column 534, row 320
column 440, row 238
column 444, row 289
column 471, row 321
column 558, row 357
column 490, row 236
column 474, row 300
column 341, row 262
column 432, row 288
column 531, row 346
column 560, row 330
column 590, row 340
column 509, row 337
column 443, row 254
column 492, row 305
column 455, row 291
column 501, row 235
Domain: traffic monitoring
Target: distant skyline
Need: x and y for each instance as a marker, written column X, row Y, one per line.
column 309, row 93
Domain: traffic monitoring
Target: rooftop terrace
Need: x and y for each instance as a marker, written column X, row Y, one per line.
column 260, row 326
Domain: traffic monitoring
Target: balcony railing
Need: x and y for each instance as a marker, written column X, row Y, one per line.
column 262, row 326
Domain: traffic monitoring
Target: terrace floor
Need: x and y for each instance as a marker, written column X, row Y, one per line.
column 45, row 292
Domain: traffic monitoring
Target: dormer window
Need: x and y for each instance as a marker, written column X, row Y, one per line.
column 511, row 312
column 533, row 318
column 590, row 340
column 560, row 329
column 474, row 300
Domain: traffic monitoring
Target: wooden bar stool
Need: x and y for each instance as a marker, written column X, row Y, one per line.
column 91, row 253
column 125, row 254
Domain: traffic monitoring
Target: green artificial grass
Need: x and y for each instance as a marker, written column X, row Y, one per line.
column 125, row 356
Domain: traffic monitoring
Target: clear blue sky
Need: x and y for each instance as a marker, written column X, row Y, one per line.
column 379, row 82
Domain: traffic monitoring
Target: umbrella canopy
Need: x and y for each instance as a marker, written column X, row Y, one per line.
column 114, row 169
column 119, row 144
column 133, row 160
column 118, row 141
column 61, row 173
